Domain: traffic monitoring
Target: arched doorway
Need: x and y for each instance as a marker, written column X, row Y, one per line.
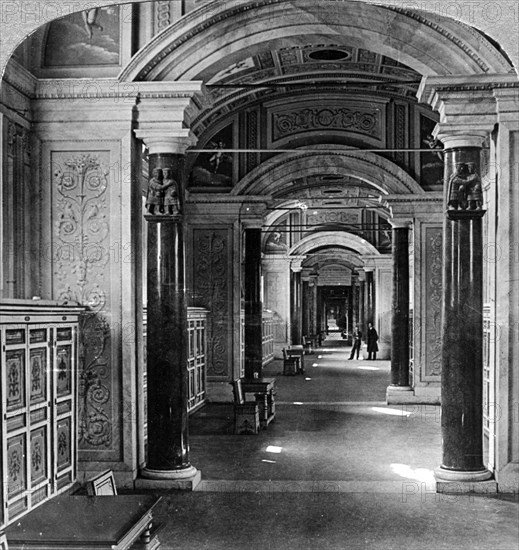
column 349, row 61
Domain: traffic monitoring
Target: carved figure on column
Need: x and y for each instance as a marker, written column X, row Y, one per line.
column 457, row 187
column 155, row 197
column 474, row 189
column 171, row 200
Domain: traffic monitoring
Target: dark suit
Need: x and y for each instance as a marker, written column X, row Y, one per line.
column 357, row 340
column 372, row 343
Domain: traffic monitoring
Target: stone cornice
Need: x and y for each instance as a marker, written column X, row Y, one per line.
column 20, row 78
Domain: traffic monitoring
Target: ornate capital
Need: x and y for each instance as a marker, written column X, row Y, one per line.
column 159, row 140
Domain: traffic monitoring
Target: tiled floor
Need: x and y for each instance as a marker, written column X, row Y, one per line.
column 337, row 469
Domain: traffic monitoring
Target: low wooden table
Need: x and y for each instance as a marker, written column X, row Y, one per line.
column 263, row 388
column 85, row 523
column 298, row 351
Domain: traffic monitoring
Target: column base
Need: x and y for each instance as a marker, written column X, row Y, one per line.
column 186, row 479
column 398, row 395
column 458, row 481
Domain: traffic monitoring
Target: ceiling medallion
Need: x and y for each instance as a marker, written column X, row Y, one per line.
column 329, row 54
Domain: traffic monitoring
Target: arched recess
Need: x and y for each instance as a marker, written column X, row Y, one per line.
column 430, row 44
column 277, row 174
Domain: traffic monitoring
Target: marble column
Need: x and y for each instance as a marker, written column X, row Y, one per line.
column 370, row 297
column 167, row 464
column 400, row 314
column 362, row 302
column 462, row 313
column 253, row 305
column 306, row 308
column 295, row 305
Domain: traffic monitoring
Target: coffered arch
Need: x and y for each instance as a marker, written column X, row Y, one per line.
column 276, row 175
column 333, row 238
column 431, row 45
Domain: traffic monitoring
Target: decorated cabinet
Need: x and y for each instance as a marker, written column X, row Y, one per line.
column 196, row 359
column 38, row 358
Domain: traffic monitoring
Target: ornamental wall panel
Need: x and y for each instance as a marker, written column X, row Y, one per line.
column 432, row 248
column 212, row 283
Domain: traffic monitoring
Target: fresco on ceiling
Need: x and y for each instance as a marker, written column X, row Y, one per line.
column 431, row 164
column 215, row 169
column 91, row 37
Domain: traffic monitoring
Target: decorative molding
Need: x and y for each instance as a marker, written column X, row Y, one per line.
column 291, row 122
column 162, row 15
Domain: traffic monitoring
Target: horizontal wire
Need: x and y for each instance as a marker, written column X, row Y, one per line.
column 317, row 150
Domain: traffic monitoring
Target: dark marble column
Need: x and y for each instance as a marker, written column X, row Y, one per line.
column 306, row 308
column 362, row 306
column 168, row 439
column 462, row 318
column 253, row 305
column 370, row 298
column 400, row 315
column 295, row 306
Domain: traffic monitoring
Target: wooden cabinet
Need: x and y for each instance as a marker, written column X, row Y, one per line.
column 196, row 357
column 38, row 358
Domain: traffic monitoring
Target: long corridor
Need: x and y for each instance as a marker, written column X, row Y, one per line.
column 337, row 469
column 332, row 425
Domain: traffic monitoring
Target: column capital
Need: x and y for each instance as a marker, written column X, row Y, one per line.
column 400, row 223
column 296, row 263
column 466, row 104
column 454, row 136
column 253, row 213
column 165, row 111
column 409, row 207
column 174, row 141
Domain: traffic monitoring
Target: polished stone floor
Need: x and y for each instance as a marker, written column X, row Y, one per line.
column 337, row 469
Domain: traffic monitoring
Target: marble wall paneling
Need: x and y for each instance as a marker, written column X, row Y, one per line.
column 85, row 262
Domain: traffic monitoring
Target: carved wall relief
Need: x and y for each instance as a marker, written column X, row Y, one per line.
column 432, row 303
column 295, row 121
column 82, row 273
column 212, row 286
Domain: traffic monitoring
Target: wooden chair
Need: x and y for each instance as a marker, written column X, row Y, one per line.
column 102, row 485
column 246, row 413
column 308, row 344
column 291, row 364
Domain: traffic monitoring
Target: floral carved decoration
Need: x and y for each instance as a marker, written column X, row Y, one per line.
column 81, row 256
column 211, row 285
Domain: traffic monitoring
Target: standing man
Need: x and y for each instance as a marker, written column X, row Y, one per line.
column 357, row 338
column 372, row 342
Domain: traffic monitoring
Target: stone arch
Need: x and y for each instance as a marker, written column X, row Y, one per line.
column 277, row 173
column 186, row 49
column 335, row 238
